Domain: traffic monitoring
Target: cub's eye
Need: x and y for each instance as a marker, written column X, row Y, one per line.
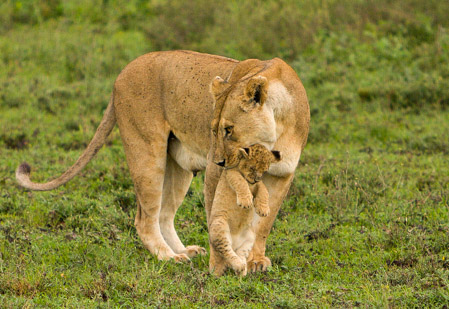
column 214, row 132
column 228, row 130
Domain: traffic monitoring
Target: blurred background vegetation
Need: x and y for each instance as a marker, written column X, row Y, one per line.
column 366, row 221
column 240, row 29
column 391, row 49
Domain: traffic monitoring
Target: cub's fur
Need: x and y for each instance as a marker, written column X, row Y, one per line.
column 232, row 219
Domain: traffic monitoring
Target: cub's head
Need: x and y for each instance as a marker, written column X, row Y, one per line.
column 241, row 117
column 255, row 161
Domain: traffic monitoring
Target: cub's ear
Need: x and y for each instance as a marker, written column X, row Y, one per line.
column 217, row 86
column 276, row 155
column 256, row 90
column 244, row 152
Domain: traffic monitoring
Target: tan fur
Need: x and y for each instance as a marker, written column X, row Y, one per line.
column 277, row 117
column 231, row 229
column 163, row 108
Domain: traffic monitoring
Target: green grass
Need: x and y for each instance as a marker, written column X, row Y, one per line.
column 366, row 222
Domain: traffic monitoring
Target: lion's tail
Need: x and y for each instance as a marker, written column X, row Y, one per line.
column 103, row 130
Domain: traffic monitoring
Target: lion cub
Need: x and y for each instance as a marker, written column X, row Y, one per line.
column 232, row 218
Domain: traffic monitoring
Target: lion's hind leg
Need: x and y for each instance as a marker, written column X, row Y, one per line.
column 147, row 160
column 176, row 184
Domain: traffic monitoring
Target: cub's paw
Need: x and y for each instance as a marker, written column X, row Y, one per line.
column 245, row 201
column 262, row 210
column 192, row 251
column 260, row 263
column 239, row 267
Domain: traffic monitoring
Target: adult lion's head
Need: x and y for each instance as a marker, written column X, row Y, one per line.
column 241, row 117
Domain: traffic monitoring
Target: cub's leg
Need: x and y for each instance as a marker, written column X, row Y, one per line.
column 176, row 184
column 240, row 187
column 261, row 199
column 245, row 248
column 277, row 189
column 221, row 241
column 247, row 244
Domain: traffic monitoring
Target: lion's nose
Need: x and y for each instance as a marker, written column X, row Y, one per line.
column 221, row 163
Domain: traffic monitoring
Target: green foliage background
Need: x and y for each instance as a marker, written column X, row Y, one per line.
column 366, row 222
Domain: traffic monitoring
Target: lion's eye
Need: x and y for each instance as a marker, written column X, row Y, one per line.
column 228, row 130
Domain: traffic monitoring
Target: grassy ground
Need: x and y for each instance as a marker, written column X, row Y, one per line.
column 366, row 222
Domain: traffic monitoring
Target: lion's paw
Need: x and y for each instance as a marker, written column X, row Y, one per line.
column 194, row 250
column 259, row 264
column 217, row 270
column 245, row 202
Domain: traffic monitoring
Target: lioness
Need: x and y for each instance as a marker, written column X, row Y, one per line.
column 163, row 109
column 232, row 219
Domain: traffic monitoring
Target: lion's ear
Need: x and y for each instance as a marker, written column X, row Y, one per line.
column 217, row 86
column 256, row 90
column 244, row 152
column 276, row 155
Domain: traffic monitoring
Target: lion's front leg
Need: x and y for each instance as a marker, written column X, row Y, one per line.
column 277, row 189
column 212, row 176
column 217, row 264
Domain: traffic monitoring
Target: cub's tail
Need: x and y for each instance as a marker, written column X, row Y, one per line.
column 103, row 130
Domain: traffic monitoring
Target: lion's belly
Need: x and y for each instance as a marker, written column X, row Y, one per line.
column 186, row 158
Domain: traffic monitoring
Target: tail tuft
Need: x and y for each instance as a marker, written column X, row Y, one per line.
column 23, row 175
column 103, row 130
column 24, row 168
